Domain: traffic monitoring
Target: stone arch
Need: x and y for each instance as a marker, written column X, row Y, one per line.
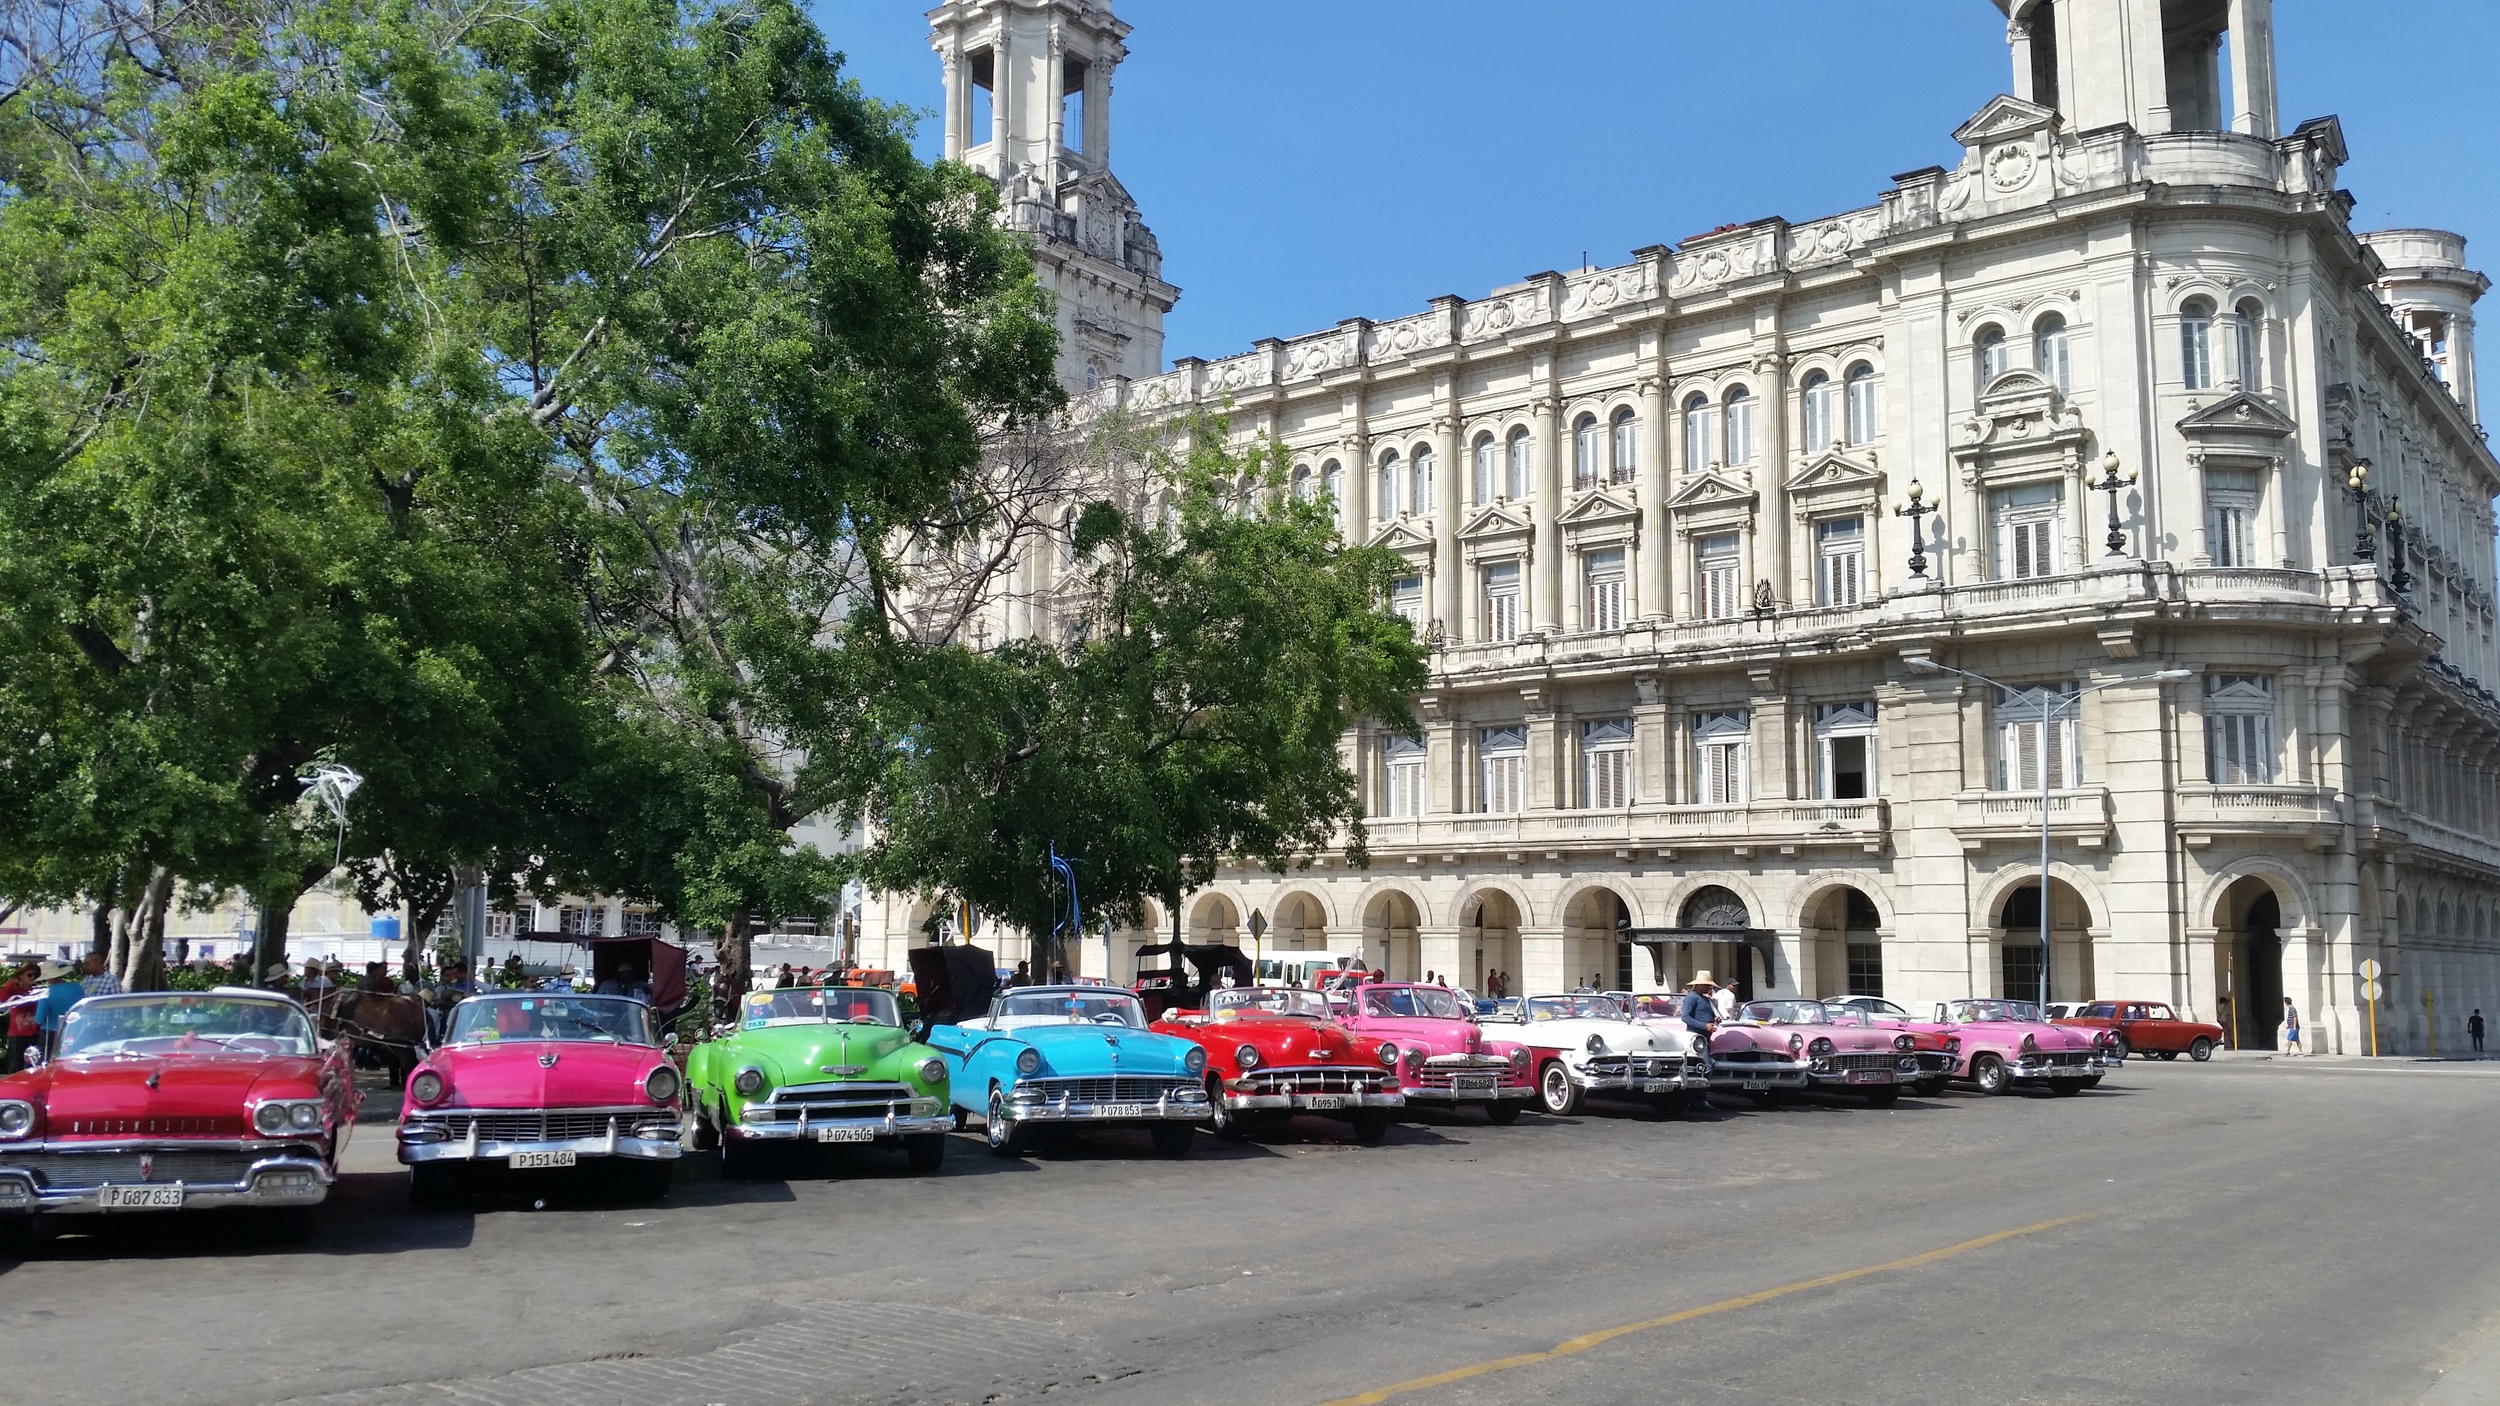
column 1572, row 889
column 1839, row 914
column 1215, row 916
column 1371, row 892
column 2077, row 911
column 2291, row 891
column 1478, row 888
column 1596, row 918
column 1393, row 922
column 1490, row 914
column 1299, row 919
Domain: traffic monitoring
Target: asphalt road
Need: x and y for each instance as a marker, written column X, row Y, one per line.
column 2256, row 1232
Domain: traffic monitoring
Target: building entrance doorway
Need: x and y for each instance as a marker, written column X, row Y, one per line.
column 2248, row 986
column 2018, row 945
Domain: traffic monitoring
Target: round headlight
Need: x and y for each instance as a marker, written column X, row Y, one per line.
column 1029, row 1062
column 1519, row 1058
column 2030, row 1041
column 270, row 1118
column 1904, row 1044
column 662, row 1084
column 1952, row 1044
column 305, row 1116
column 750, row 1081
column 1195, row 1061
column 16, row 1119
column 1822, row 1046
column 1597, row 1043
column 1796, row 1043
column 1388, row 1055
column 426, row 1087
column 933, row 1070
column 1247, row 1057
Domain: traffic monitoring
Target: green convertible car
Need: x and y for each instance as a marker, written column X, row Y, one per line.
column 818, row 1064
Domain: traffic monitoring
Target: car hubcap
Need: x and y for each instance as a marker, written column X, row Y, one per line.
column 997, row 1120
column 1557, row 1087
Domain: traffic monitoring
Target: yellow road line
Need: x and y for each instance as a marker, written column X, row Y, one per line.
column 1585, row 1341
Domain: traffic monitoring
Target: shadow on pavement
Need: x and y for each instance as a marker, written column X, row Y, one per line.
column 367, row 1214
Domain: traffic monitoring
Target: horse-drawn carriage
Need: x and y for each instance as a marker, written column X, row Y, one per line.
column 1194, row 969
column 398, row 1028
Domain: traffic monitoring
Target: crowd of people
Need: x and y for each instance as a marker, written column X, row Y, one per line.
column 35, row 997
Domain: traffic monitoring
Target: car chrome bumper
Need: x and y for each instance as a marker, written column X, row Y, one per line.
column 418, row 1145
column 282, row 1179
column 811, row 1129
column 1442, row 1093
column 1315, row 1103
column 2046, row 1072
column 1185, row 1104
column 1755, row 1077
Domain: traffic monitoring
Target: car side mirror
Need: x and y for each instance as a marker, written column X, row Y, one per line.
column 669, row 1040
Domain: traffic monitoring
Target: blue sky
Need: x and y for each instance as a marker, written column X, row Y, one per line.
column 1303, row 161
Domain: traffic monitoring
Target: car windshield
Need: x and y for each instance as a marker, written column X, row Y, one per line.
column 1657, row 1006
column 1786, row 1013
column 1065, row 1005
column 1574, row 1008
column 607, row 1019
column 1848, row 1015
column 1411, row 1000
column 185, row 1024
column 809, row 1005
column 1963, row 1012
column 1269, row 1000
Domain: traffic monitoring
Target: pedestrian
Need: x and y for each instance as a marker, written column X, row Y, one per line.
column 18, row 998
column 98, row 980
column 1023, row 976
column 785, row 978
column 2291, row 1029
column 1725, row 1000
column 1698, row 1011
column 318, row 990
column 2474, row 1028
column 64, row 992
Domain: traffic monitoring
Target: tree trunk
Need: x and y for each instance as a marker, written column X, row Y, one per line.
column 146, row 968
column 103, row 930
column 729, row 984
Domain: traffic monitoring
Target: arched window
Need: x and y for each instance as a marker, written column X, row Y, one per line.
column 2048, row 353
column 1697, row 455
column 1861, row 385
column 1519, row 484
column 2196, row 345
column 1332, row 480
column 1739, row 412
column 1989, row 357
column 1819, row 396
column 1584, row 453
column 1302, row 483
column 1486, row 457
column 1389, row 476
column 2250, row 330
column 1627, row 446
column 1419, row 500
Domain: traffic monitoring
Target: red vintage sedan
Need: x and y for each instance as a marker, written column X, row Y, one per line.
column 176, row 1101
column 1275, row 1051
column 2149, row 1027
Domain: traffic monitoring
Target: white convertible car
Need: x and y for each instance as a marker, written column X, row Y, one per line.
column 1584, row 1045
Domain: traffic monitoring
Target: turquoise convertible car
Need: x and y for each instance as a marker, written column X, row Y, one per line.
column 1064, row 1055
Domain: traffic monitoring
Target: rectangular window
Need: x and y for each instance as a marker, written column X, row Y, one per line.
column 2196, row 351
column 1406, row 598
column 1606, row 764
column 1721, row 745
column 2230, row 517
column 1404, row 758
column 1518, row 482
column 1603, row 608
column 569, row 922
column 2239, row 730
column 1841, row 546
column 2020, row 964
column 1627, row 448
column 1739, row 429
column 1584, row 454
column 641, row 922
column 2030, row 522
column 1866, row 968
column 2036, row 728
column 1844, row 736
column 1861, row 406
column 1821, row 398
column 500, row 925
column 1502, row 767
column 1697, row 455
column 1501, row 601
column 1719, row 576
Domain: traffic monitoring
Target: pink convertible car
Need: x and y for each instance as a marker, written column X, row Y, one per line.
column 2005, row 1043
column 1443, row 1056
column 1772, row 1048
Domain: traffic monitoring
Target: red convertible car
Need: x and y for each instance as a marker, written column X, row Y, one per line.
column 2148, row 1027
column 1273, row 1051
column 176, row 1101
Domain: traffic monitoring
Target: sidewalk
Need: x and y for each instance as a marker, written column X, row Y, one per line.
column 2459, row 1063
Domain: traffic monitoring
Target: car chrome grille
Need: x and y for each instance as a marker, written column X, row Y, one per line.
column 1441, row 1073
column 845, row 1100
column 152, row 1127
column 1318, row 1080
column 83, row 1169
column 1120, row 1089
column 2060, row 1058
column 1650, row 1065
column 1752, row 1057
column 1863, row 1061
column 534, row 1124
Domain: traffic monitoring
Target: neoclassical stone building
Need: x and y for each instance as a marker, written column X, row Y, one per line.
column 1780, row 580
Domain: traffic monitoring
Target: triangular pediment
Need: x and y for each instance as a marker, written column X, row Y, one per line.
column 1833, row 469
column 1499, row 520
column 1601, row 506
column 1404, row 535
column 1103, row 185
column 2239, row 413
column 1711, row 489
column 2004, row 116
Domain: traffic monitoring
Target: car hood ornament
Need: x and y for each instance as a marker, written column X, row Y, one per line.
column 547, row 1060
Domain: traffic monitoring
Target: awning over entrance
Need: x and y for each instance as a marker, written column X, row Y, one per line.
column 1658, row 940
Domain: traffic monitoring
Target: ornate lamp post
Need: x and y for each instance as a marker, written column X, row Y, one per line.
column 2113, row 483
column 2358, row 480
column 1914, row 508
column 2399, row 579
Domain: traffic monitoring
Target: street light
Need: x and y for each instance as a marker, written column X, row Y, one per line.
column 2113, row 483
column 2358, row 480
column 2399, row 579
column 2050, row 706
column 1915, row 507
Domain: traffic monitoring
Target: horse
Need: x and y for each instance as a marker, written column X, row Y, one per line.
column 391, row 1025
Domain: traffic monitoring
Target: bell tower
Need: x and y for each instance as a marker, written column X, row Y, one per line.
column 1028, row 104
column 2154, row 65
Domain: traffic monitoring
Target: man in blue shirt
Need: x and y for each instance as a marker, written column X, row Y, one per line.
column 1697, row 1012
column 64, row 992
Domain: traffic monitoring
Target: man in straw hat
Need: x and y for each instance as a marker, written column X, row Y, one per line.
column 1698, row 1012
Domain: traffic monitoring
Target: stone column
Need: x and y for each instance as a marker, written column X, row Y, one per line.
column 1544, row 965
column 1002, row 63
column 1055, row 85
column 952, row 61
column 1447, row 951
column 1098, row 115
column 1546, row 595
column 1651, row 493
column 2252, row 68
column 1771, row 479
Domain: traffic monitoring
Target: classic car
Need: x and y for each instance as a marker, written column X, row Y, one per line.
column 1274, row 1051
column 1770, row 1048
column 1932, row 1045
column 818, row 1064
column 530, row 1081
column 2006, row 1043
column 1068, row 1055
column 1443, row 1055
column 1584, row 1045
column 2147, row 1027
column 176, row 1101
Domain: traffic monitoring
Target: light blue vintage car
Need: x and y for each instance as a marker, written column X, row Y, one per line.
column 1072, row 1054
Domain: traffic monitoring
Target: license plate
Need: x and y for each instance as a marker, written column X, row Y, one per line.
column 1657, row 1086
column 846, row 1135
column 139, row 1198
column 1870, row 1076
column 1327, row 1101
column 1755, row 1086
column 543, row 1159
column 1472, row 1086
column 1119, row 1110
